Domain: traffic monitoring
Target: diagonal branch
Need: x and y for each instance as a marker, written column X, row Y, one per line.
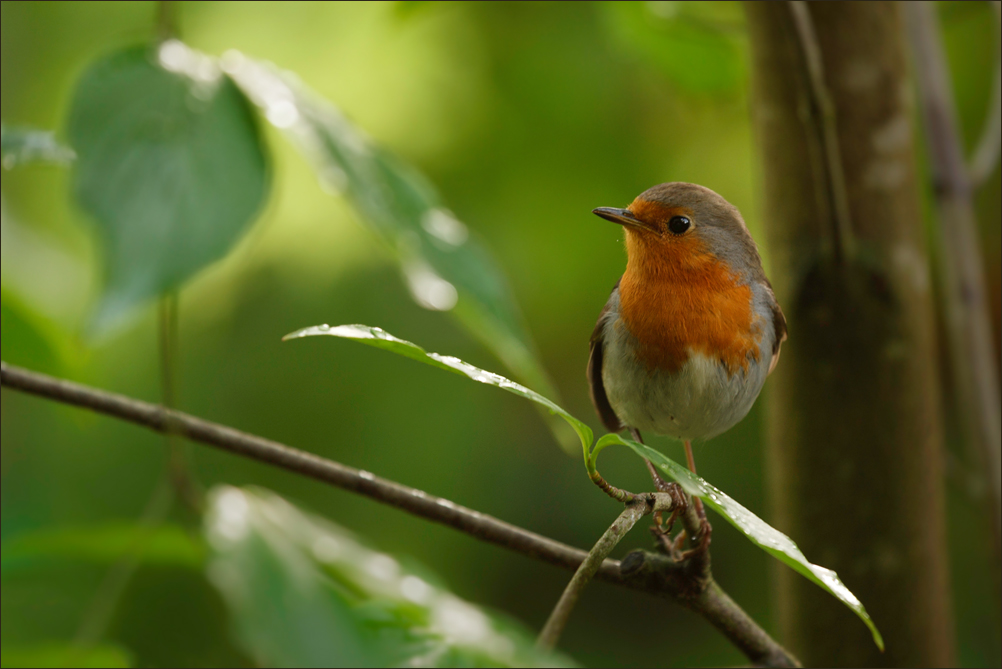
column 646, row 572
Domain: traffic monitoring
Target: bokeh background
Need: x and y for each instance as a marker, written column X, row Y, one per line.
column 525, row 116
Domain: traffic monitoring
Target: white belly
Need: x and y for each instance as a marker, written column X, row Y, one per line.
column 699, row 401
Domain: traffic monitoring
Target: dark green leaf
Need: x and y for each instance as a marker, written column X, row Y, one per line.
column 104, row 544
column 54, row 655
column 768, row 538
column 304, row 592
column 20, row 146
column 444, row 265
column 170, row 166
column 382, row 339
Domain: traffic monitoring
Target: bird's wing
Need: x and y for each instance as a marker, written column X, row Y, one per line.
column 778, row 327
column 595, row 386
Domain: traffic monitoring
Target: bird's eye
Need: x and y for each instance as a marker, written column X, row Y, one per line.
column 678, row 224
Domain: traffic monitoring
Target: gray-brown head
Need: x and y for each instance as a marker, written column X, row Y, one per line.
column 677, row 224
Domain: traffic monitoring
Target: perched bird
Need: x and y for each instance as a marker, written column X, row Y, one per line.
column 692, row 329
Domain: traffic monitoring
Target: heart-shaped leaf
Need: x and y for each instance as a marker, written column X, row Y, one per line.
column 169, row 165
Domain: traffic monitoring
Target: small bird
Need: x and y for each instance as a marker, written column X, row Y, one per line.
column 692, row 328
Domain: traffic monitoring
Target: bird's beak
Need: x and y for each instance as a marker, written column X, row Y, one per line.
column 623, row 217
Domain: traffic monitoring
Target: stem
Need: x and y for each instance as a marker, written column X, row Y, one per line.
column 178, row 466
column 822, row 127
column 965, row 305
column 417, row 502
column 557, row 621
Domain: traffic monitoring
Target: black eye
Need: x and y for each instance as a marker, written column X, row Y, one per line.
column 678, row 224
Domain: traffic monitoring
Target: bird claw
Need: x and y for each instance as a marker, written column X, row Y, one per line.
column 705, row 533
column 661, row 530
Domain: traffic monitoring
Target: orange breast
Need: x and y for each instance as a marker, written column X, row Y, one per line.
column 676, row 297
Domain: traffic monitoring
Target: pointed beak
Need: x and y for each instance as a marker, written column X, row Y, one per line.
column 623, row 217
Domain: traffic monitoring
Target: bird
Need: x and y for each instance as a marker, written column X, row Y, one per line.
column 691, row 330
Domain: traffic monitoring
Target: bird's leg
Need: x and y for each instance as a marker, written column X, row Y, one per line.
column 660, row 484
column 705, row 530
column 673, row 489
column 692, row 468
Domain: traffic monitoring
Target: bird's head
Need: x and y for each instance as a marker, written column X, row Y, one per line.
column 682, row 225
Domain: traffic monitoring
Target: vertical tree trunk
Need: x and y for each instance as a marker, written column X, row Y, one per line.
column 855, row 429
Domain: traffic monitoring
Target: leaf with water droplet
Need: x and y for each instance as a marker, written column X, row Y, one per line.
column 22, row 146
column 445, row 266
column 382, row 339
column 302, row 591
column 767, row 537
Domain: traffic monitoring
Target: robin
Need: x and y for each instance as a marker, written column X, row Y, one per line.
column 692, row 328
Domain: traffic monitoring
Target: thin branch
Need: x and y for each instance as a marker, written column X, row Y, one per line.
column 557, row 621
column 965, row 304
column 639, row 506
column 989, row 147
column 649, row 572
column 821, row 124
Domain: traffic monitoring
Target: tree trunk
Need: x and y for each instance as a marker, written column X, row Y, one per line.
column 854, row 418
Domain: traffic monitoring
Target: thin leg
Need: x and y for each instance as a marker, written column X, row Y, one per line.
column 692, row 468
column 705, row 530
column 659, row 482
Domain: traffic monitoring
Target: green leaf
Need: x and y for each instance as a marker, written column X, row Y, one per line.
column 382, row 339
column 445, row 266
column 170, row 166
column 768, row 538
column 304, row 592
column 104, row 544
column 761, row 533
column 56, row 655
column 21, row 146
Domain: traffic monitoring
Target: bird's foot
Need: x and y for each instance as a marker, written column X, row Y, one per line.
column 703, row 537
column 674, row 547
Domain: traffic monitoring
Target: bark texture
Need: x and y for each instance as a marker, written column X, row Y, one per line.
column 855, row 427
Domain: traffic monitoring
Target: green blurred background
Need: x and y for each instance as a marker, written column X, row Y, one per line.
column 526, row 116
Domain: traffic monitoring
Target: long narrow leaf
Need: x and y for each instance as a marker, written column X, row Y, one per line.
column 757, row 530
column 762, row 534
column 446, row 268
column 382, row 339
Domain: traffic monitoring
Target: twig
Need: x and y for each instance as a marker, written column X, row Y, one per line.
column 822, row 126
column 989, row 147
column 557, row 621
column 639, row 506
column 650, row 575
column 968, row 324
column 178, row 466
